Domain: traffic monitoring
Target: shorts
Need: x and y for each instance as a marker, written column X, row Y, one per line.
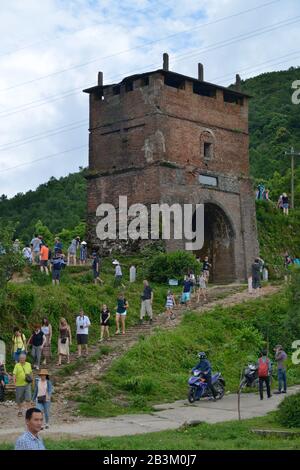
column 56, row 275
column 44, row 263
column 285, row 206
column 82, row 339
column 96, row 274
column 185, row 296
column 16, row 355
column 105, row 324
column 23, row 393
column 122, row 313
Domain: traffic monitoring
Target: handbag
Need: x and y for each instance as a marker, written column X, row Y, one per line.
column 42, row 399
column 28, row 377
column 63, row 340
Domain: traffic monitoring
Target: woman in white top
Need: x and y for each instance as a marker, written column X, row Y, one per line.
column 82, row 332
column 47, row 330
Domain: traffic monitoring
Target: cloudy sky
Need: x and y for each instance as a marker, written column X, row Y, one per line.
column 51, row 50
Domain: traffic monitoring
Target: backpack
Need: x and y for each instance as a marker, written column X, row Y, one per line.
column 263, row 368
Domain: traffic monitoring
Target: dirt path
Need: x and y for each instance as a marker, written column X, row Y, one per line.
column 88, row 372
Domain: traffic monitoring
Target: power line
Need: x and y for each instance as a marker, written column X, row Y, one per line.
column 44, row 158
column 178, row 58
column 83, row 64
column 42, row 135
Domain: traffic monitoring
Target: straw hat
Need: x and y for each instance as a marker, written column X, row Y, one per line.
column 115, row 262
column 43, row 372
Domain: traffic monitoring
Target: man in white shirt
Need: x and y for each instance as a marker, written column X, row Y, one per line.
column 82, row 332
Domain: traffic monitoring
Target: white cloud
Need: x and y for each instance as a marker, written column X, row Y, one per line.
column 45, row 37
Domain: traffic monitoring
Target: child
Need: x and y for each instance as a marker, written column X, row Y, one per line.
column 121, row 312
column 202, row 287
column 104, row 321
column 170, row 304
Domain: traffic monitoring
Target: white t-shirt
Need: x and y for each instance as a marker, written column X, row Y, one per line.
column 82, row 321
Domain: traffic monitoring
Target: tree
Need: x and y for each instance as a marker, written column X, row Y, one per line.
column 11, row 261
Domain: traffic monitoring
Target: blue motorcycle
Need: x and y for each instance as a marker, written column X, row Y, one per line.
column 199, row 389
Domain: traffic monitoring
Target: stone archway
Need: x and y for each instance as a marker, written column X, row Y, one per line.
column 218, row 243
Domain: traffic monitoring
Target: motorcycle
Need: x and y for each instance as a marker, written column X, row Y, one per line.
column 250, row 378
column 199, row 388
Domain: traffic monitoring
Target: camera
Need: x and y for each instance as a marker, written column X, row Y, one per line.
column 81, row 326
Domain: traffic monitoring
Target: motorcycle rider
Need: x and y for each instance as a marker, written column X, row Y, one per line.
column 205, row 367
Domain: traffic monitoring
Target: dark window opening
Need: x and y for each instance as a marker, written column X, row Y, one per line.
column 116, row 90
column 204, row 90
column 232, row 98
column 145, row 81
column 175, row 82
column 208, row 149
column 129, row 86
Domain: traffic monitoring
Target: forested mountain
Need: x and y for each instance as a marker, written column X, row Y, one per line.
column 274, row 128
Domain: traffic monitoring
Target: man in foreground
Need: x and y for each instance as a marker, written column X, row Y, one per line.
column 30, row 439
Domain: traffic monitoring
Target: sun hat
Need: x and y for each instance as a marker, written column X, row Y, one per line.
column 83, row 243
column 43, row 372
column 115, row 262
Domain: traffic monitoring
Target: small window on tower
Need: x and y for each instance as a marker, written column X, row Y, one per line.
column 208, row 150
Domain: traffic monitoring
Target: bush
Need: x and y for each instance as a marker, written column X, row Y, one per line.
column 166, row 266
column 288, row 413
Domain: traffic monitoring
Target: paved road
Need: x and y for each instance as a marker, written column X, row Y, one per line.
column 166, row 416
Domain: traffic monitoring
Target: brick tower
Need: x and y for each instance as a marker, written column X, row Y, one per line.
column 162, row 137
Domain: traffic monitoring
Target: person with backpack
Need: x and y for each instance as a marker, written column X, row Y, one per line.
column 264, row 369
column 19, row 344
column 58, row 264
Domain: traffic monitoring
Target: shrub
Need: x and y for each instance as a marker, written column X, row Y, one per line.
column 288, row 413
column 165, row 266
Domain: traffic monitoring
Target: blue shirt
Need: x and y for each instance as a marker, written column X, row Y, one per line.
column 29, row 442
column 204, row 366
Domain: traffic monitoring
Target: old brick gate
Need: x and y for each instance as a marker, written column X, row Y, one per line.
column 162, row 137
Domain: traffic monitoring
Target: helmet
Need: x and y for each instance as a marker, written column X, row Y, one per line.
column 202, row 355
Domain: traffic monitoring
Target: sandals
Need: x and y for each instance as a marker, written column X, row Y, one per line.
column 117, row 332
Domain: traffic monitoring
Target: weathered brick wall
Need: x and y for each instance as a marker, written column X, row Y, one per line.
column 148, row 144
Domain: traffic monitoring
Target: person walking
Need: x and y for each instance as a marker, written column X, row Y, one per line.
column 121, row 312
column 47, row 330
column 18, row 344
column 264, row 371
column 96, row 268
column 170, row 304
column 83, row 252
column 82, row 332
column 280, row 358
column 37, row 342
column 201, row 288
column 285, row 204
column 30, row 439
column 35, row 248
column 104, row 322
column 118, row 274
column 27, row 254
column 42, row 394
column 146, row 302
column 22, row 378
column 64, row 341
column 58, row 246
column 186, row 291
column 58, row 263
column 206, row 266
column 44, row 258
column 255, row 268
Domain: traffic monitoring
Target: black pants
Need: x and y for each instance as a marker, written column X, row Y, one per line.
column 210, row 386
column 261, row 386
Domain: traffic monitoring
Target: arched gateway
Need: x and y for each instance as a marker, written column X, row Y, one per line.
column 161, row 137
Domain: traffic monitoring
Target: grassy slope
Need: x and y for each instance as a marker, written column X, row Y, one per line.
column 233, row 435
column 157, row 368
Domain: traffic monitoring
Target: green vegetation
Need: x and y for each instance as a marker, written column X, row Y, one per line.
column 288, row 413
column 156, row 369
column 274, row 128
column 166, row 266
column 277, row 234
column 232, row 435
